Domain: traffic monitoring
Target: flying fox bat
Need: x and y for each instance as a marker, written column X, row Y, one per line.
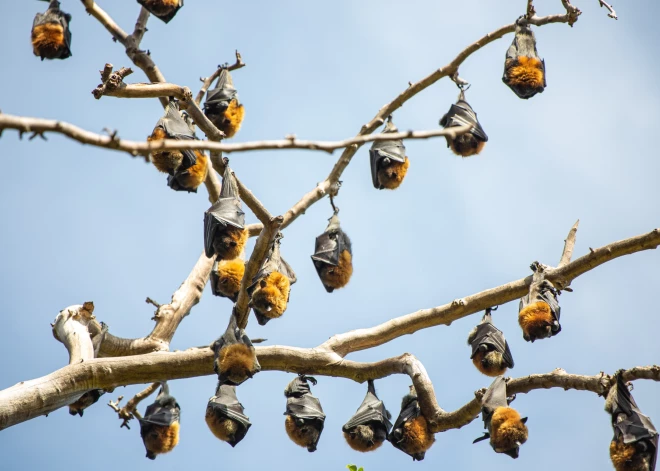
column 225, row 417
column 86, row 400
column 411, row 433
column 506, row 430
column 333, row 256
column 51, row 36
column 187, row 169
column 226, row 278
column 222, row 106
column 490, row 350
column 524, row 70
column 235, row 357
column 159, row 428
column 368, row 428
column 634, row 446
column 270, row 288
column 538, row 313
column 460, row 114
column 304, row 414
column 162, row 9
column 389, row 163
column 224, row 222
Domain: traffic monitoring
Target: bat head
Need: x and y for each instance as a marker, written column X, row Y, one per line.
column 164, row 10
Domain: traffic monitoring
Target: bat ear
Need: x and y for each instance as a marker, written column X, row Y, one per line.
column 524, row 420
column 262, row 283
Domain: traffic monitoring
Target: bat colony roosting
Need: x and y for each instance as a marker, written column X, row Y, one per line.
column 635, row 441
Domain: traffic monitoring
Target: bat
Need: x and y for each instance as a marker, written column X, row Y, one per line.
column 226, row 278
column 51, row 36
column 524, row 70
column 634, row 446
column 235, row 357
column 333, row 256
column 86, row 400
column 222, row 106
column 225, row 234
column 389, row 163
column 225, row 417
column 460, row 114
column 538, row 313
column 162, row 9
column 369, row 426
column 187, row 169
column 270, row 288
column 159, row 428
column 411, row 433
column 490, row 350
column 506, row 430
column 304, row 414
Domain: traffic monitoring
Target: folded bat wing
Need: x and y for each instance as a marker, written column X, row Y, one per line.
column 371, row 410
column 159, row 415
column 490, row 335
column 461, row 114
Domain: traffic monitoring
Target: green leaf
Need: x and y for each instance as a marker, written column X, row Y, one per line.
column 352, row 467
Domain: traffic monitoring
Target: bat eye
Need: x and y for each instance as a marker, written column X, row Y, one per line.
column 232, row 243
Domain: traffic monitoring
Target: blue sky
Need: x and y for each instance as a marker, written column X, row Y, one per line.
column 81, row 223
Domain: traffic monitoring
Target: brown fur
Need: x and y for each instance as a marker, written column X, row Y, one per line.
column 231, row 120
column 506, row 429
column 304, row 435
column 466, row 145
column 222, row 427
column 162, row 438
column 196, row 174
column 339, row 276
column 360, row 439
column 164, row 161
column 494, row 364
column 161, row 7
column 416, row 436
column 236, row 361
column 230, row 243
column 525, row 72
column 275, row 294
column 392, row 175
column 534, row 319
column 626, row 458
column 47, row 39
column 230, row 274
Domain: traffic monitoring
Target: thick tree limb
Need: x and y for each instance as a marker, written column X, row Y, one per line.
column 70, row 328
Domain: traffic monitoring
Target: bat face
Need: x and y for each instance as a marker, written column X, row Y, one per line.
column 86, row 400
column 490, row 350
column 164, row 10
column 388, row 160
column 159, row 428
column 225, row 416
column 369, row 427
column 235, row 358
column 305, row 418
column 222, row 106
column 524, row 70
column 411, row 433
column 191, row 177
column 51, row 37
column 332, row 257
column 226, row 278
column 460, row 114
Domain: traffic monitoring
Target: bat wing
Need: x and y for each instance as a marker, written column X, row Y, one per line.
column 371, row 410
column 494, row 397
column 326, row 250
column 226, row 403
column 224, row 212
column 393, row 150
column 299, row 386
column 176, row 127
column 461, row 114
column 409, row 411
column 306, row 407
column 286, row 270
column 490, row 335
column 549, row 294
column 159, row 415
column 219, row 98
column 55, row 15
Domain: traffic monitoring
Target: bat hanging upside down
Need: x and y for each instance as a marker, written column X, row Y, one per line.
column 411, row 433
column 225, row 417
column 538, row 312
column 159, row 428
column 490, row 350
column 304, row 414
column 460, row 114
column 226, row 278
column 86, row 400
column 235, row 357
column 164, row 10
column 389, row 164
column 333, row 256
column 524, row 70
column 368, row 428
column 222, row 106
column 51, row 37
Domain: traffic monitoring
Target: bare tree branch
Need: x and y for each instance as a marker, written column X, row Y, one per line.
column 140, row 26
column 70, row 328
column 569, row 245
column 612, row 13
column 129, row 411
column 206, row 82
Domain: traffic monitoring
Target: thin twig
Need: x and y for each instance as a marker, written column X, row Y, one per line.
column 569, row 245
column 129, row 411
column 612, row 13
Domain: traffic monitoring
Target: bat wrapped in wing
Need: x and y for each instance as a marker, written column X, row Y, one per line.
column 225, row 415
column 490, row 350
column 506, row 429
column 389, row 163
column 235, row 358
column 222, row 107
column 270, row 288
column 226, row 278
column 634, row 446
column 411, row 433
column 524, row 70
column 461, row 114
column 51, row 36
column 187, row 169
column 159, row 428
column 333, row 256
column 162, row 9
column 368, row 428
column 538, row 312
column 304, row 414
column 86, row 400
column 225, row 234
